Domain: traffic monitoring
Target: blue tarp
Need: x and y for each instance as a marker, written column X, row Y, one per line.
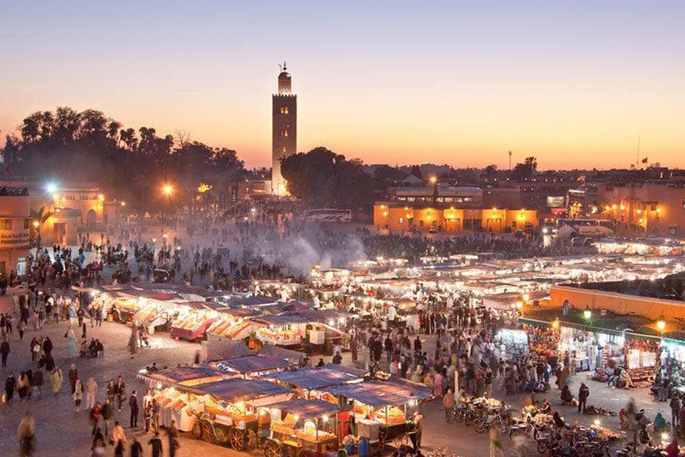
column 305, row 408
column 281, row 319
column 232, row 390
column 293, row 357
column 377, row 393
column 254, row 363
column 183, row 374
column 313, row 378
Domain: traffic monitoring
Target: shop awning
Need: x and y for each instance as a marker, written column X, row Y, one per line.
column 377, row 393
column 254, row 363
column 189, row 376
column 313, row 378
column 232, row 390
column 306, row 408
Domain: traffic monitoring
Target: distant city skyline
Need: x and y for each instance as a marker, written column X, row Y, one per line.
column 460, row 83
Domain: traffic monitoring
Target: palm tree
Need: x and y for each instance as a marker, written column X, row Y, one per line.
column 41, row 216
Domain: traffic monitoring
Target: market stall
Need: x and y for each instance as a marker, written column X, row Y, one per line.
column 383, row 411
column 230, row 411
column 281, row 330
column 302, row 427
column 193, row 320
column 512, row 342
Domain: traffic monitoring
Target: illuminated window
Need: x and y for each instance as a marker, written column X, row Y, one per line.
column 6, row 224
column 284, row 150
column 284, row 133
column 284, row 110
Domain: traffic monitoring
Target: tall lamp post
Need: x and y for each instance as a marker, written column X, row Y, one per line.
column 167, row 190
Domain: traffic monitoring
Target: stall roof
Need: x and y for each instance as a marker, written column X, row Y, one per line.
column 377, row 393
column 314, row 378
column 252, row 301
column 306, row 408
column 180, row 375
column 281, row 319
column 294, row 357
column 253, row 363
column 237, row 389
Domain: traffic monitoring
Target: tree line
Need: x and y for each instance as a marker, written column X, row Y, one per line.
column 128, row 164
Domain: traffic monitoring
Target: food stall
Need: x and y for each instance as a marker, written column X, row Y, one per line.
column 281, row 330
column 512, row 342
column 302, row 427
column 230, row 413
column 383, row 411
column 194, row 319
column 589, row 349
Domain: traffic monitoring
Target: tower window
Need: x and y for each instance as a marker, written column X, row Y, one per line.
column 284, row 133
column 284, row 110
column 284, row 150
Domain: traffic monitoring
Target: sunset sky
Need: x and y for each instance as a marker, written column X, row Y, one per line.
column 574, row 83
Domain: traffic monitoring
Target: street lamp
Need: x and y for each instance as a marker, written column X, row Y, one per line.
column 661, row 325
column 168, row 189
column 587, row 313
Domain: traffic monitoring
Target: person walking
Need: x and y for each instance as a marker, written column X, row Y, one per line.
column 156, row 444
column 448, row 403
column 120, row 391
column 78, row 395
column 106, row 415
column 133, row 404
column 172, row 433
column 10, row 386
column 118, row 439
column 73, row 376
column 71, row 343
column 136, row 448
column 57, row 380
column 675, row 404
column 583, row 393
column 5, row 351
column 26, row 433
column 91, row 392
column 37, row 383
column 21, row 328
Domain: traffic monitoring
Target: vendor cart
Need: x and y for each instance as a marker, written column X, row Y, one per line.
column 383, row 410
column 231, row 415
column 302, row 427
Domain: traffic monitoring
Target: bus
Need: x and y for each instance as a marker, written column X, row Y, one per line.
column 595, row 228
column 329, row 215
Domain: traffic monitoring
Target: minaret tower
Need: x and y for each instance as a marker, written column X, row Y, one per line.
column 284, row 129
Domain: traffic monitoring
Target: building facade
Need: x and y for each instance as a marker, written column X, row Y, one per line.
column 284, row 129
column 397, row 218
column 649, row 209
column 15, row 226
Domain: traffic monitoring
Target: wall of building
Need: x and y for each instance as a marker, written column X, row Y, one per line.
column 451, row 220
column 14, row 231
column 651, row 308
column 647, row 210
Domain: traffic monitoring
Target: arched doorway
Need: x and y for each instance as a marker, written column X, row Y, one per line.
column 91, row 219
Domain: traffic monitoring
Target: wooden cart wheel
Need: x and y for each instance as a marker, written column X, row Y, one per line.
column 197, row 430
column 273, row 449
column 208, row 432
column 382, row 436
column 237, row 439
